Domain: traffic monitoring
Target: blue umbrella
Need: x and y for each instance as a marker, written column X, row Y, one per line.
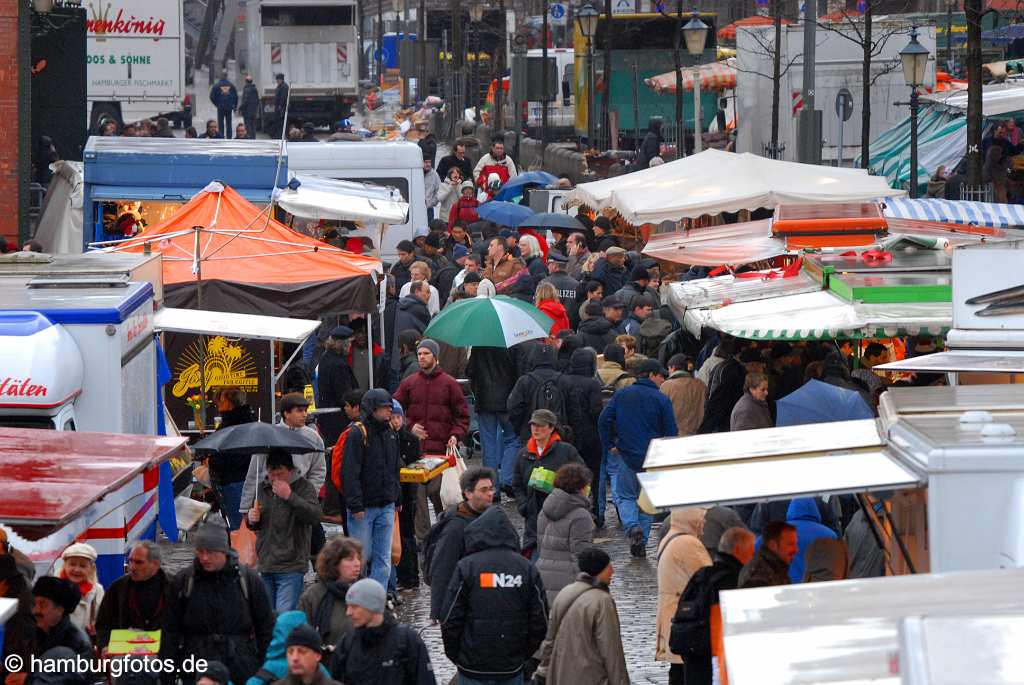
column 503, row 213
column 817, row 402
column 556, row 221
column 514, row 188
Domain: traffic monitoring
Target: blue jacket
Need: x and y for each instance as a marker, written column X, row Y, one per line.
column 636, row 415
column 277, row 661
column 803, row 514
column 224, row 95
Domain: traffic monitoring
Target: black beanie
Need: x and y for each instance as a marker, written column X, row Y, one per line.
column 304, row 635
column 593, row 560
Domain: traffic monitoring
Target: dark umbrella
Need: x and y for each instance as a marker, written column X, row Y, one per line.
column 255, row 437
column 556, row 221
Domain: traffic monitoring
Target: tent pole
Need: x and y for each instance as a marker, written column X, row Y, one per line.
column 202, row 340
column 273, row 380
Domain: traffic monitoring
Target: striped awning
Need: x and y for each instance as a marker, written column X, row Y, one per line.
column 956, row 212
column 713, row 76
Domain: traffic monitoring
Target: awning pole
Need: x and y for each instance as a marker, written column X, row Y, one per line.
column 273, row 381
column 288, row 363
column 899, row 540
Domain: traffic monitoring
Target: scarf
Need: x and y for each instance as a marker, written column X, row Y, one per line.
column 85, row 587
column 335, row 591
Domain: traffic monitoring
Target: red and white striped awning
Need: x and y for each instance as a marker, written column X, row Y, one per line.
column 713, row 76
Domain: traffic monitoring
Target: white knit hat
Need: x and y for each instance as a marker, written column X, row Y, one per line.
column 80, row 549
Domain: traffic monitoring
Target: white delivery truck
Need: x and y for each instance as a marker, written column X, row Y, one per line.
column 135, row 57
column 838, row 64
column 314, row 43
column 561, row 110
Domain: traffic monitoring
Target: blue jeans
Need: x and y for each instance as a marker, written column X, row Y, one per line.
column 374, row 532
column 500, row 444
column 609, row 472
column 284, row 590
column 626, row 492
column 230, row 500
column 514, row 680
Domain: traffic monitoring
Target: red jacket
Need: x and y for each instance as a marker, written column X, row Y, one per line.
column 464, row 210
column 556, row 311
column 435, row 402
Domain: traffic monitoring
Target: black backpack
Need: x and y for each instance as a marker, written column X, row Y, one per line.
column 430, row 543
column 690, row 636
column 547, row 395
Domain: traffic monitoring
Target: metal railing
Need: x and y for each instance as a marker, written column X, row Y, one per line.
column 982, row 193
column 773, row 152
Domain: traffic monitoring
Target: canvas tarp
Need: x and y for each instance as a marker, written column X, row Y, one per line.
column 713, row 76
column 991, row 214
column 714, row 181
column 60, row 219
column 942, row 139
column 251, row 264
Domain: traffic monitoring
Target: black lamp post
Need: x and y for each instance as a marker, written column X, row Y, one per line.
column 915, row 61
column 695, row 33
column 586, row 19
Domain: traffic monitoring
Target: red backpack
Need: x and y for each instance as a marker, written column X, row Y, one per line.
column 338, row 453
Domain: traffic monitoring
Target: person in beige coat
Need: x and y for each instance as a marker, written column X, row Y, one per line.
column 687, row 394
column 680, row 555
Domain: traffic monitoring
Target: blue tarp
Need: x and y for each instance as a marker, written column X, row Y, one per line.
column 962, row 212
column 817, row 402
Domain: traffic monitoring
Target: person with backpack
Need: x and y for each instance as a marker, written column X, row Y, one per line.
column 445, row 544
column 612, row 370
column 537, row 389
column 584, row 401
column 275, row 665
column 680, row 555
column 379, row 650
column 495, row 613
column 696, row 629
column 537, row 463
column 584, row 643
column 632, row 418
column 219, row 611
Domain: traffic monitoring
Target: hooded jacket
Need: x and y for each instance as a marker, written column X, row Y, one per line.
column 495, row 613
column 680, row 555
column 492, row 375
column 276, row 661
column 436, row 402
column 463, row 210
column 556, row 312
column 285, row 525
column 610, row 276
column 371, row 468
column 582, row 391
column 583, row 643
column 448, row 550
column 633, row 417
column 717, row 520
column 521, row 404
column 564, row 528
column 597, row 333
column 803, row 514
column 534, row 478
column 411, row 314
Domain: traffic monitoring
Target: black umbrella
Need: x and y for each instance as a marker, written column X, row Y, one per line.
column 556, row 221
column 255, row 437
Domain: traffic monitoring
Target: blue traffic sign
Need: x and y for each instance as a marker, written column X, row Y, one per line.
column 557, row 10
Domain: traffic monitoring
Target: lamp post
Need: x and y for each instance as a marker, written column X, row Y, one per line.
column 915, row 61
column 586, row 19
column 695, row 33
column 476, row 15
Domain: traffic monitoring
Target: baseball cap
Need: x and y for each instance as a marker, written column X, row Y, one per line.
column 293, row 400
column 613, row 301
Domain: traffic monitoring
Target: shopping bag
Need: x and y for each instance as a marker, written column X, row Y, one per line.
column 451, row 491
column 243, row 541
column 396, row 543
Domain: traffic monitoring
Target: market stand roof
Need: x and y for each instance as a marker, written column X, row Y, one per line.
column 714, row 181
column 330, row 199
column 50, row 477
column 250, row 263
column 713, row 76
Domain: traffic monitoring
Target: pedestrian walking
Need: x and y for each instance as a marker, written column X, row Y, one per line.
column 686, row 393
column 224, row 97
column 431, row 186
column 583, row 395
column 335, row 379
column 680, row 555
column 751, row 410
column 696, row 631
column 596, row 331
column 492, row 375
column 79, row 566
column 445, row 544
column 495, row 613
column 55, row 600
column 249, row 107
column 495, row 161
column 219, row 611
column 283, row 515
column 280, row 105
column 448, row 191
column 138, row 599
column 537, row 463
column 632, row 418
column 771, row 564
column 725, row 388
column 338, row 566
column 650, row 146
column 537, row 389
column 275, row 664
column 370, row 474
column 379, row 650
column 564, row 528
column 583, row 643
column 228, row 472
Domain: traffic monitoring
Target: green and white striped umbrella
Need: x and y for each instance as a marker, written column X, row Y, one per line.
column 499, row 321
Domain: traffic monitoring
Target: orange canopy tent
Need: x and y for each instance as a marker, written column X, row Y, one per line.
column 246, row 262
column 713, row 76
column 728, row 32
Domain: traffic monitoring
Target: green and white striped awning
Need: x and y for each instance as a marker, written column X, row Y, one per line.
column 942, row 139
column 824, row 316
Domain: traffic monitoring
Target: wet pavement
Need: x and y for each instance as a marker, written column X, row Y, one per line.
column 634, row 586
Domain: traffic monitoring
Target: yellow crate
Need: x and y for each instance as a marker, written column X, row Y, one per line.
column 428, row 470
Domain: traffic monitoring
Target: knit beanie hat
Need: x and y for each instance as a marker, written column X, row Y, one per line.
column 429, row 345
column 593, row 560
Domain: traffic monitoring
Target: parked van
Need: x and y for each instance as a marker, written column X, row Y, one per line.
column 395, row 164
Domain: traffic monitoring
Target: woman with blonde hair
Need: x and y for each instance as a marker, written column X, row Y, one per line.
column 79, row 566
column 338, row 565
column 546, row 300
column 420, row 271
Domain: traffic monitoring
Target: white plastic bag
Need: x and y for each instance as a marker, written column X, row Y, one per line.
column 451, row 491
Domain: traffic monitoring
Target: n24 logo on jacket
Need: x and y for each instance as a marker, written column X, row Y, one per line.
column 493, row 580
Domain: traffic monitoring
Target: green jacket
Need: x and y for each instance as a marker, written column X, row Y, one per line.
column 285, row 526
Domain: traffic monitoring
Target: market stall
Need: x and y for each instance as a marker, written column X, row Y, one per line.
column 961, row 212
column 713, row 76
column 741, row 243
column 716, row 182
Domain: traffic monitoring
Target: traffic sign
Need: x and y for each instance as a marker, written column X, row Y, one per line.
column 557, row 13
column 844, row 104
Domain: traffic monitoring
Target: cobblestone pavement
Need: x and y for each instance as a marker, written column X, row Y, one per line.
column 634, row 586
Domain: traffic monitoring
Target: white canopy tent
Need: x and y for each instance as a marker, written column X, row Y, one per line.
column 333, row 200
column 714, row 181
column 996, row 99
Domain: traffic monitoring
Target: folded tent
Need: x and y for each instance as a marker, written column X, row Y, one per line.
column 335, row 200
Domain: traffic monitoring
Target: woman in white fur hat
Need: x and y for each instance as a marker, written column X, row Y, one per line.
column 79, row 567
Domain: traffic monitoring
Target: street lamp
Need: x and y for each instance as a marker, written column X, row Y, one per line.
column 476, row 15
column 695, row 33
column 915, row 61
column 586, row 19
